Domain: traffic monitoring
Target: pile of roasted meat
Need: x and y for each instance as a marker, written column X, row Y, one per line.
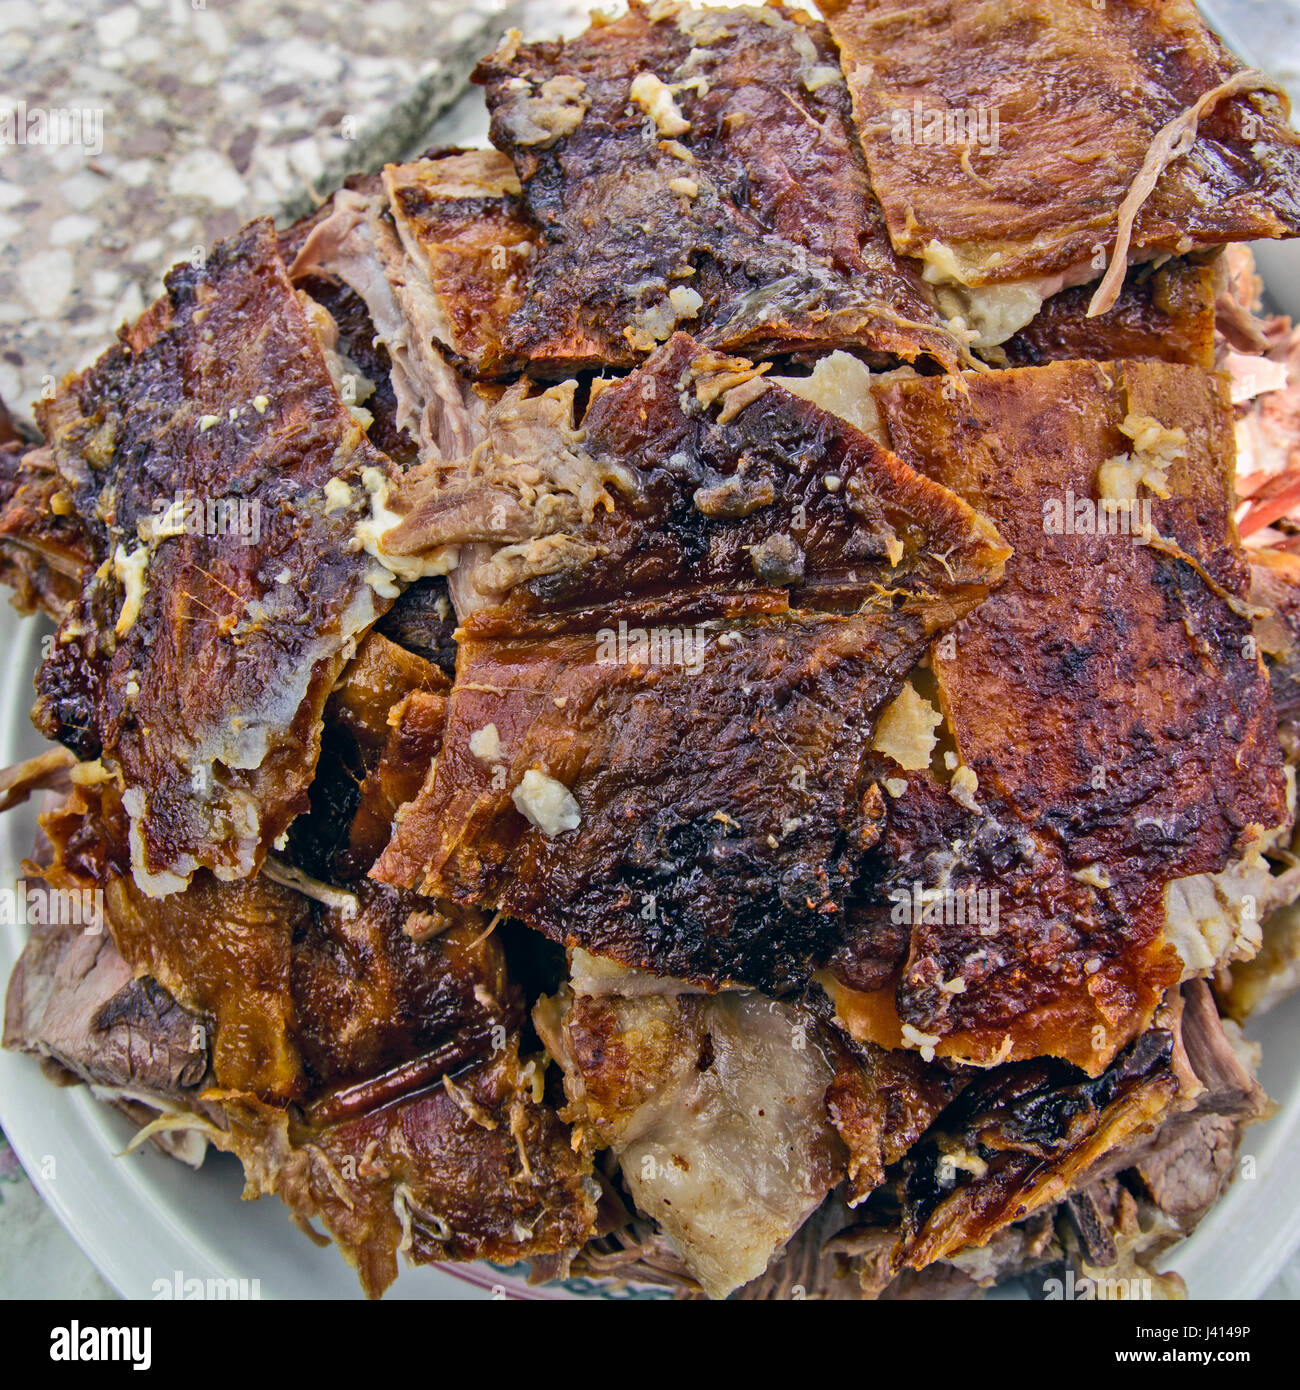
column 682, row 699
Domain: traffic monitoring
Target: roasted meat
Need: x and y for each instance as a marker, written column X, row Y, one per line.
column 697, row 166
column 1026, row 148
column 1110, row 734
column 197, row 657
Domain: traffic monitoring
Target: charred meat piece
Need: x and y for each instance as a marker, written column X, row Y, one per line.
column 1022, row 1138
column 366, row 376
column 881, row 1101
column 1028, row 147
column 198, row 656
column 73, row 999
column 714, row 1105
column 472, row 1167
column 45, row 552
column 704, row 817
column 383, row 729
column 422, row 620
column 371, row 993
column 459, row 217
column 1166, row 314
column 692, row 483
column 1116, row 726
column 697, row 165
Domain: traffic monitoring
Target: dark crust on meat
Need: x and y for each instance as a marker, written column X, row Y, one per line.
column 474, row 1168
column 709, row 491
column 1080, row 91
column 459, row 216
column 222, row 652
column 724, row 814
column 44, row 556
column 783, row 239
column 1135, row 666
column 1166, row 315
column 357, row 342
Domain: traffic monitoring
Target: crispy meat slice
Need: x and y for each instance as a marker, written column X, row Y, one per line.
column 1084, row 163
column 881, row 1102
column 1167, row 1113
column 1022, row 1137
column 1166, row 314
column 1117, row 727
column 306, row 989
column 696, row 165
column 198, row 655
column 383, row 729
column 704, row 820
column 714, row 1105
column 475, row 1166
column 693, row 481
column 366, row 376
column 74, row 1000
column 459, row 217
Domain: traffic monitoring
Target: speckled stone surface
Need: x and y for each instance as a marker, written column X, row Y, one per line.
column 201, row 114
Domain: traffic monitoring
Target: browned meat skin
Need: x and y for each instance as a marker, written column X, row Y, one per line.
column 1136, row 666
column 303, row 996
column 208, row 699
column 73, row 999
column 1031, row 1131
column 44, row 555
column 775, row 228
column 384, row 724
column 686, row 769
column 776, row 495
column 459, row 217
column 723, row 814
column 380, row 677
column 1080, row 92
column 1019, row 1138
column 414, row 740
column 1275, row 588
column 471, row 1168
column 1167, row 315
